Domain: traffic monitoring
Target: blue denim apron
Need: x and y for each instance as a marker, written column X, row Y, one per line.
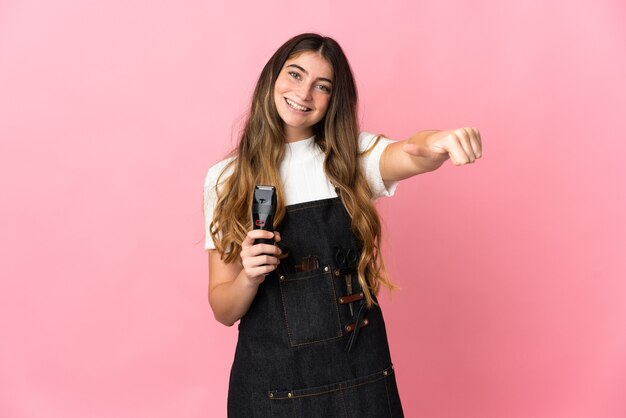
column 303, row 350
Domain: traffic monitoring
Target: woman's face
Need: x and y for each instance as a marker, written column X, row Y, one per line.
column 302, row 93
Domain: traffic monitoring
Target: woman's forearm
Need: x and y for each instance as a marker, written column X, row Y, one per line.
column 396, row 164
column 428, row 150
column 231, row 300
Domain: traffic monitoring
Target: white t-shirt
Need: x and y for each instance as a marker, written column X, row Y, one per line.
column 303, row 176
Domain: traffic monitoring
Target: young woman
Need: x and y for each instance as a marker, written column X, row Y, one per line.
column 312, row 339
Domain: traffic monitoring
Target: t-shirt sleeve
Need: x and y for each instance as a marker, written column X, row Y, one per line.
column 210, row 199
column 371, row 165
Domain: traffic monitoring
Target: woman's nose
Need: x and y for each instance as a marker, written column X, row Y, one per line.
column 304, row 92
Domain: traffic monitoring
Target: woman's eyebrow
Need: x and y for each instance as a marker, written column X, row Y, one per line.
column 306, row 72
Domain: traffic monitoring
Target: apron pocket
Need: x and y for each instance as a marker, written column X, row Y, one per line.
column 311, row 311
column 360, row 397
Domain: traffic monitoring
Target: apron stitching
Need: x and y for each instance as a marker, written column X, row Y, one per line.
column 282, row 297
column 388, row 401
column 307, row 275
column 312, row 204
column 295, row 410
column 335, row 300
column 330, row 390
column 309, row 207
column 316, row 341
column 343, row 402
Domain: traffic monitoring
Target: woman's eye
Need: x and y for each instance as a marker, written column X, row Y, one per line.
column 324, row 88
column 293, row 74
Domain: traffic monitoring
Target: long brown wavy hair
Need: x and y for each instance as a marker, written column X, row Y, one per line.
column 260, row 149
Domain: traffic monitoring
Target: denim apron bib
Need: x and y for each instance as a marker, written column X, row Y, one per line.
column 308, row 346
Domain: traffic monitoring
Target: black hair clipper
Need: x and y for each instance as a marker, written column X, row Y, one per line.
column 263, row 211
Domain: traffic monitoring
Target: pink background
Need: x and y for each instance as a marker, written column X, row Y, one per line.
column 512, row 268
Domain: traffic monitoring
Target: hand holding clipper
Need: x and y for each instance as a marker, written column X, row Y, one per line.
column 259, row 260
column 263, row 211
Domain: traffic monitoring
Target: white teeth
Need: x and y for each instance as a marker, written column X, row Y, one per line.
column 297, row 106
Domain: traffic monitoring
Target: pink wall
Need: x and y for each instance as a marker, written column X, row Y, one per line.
column 512, row 269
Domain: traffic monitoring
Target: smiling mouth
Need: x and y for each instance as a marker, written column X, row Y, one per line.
column 296, row 106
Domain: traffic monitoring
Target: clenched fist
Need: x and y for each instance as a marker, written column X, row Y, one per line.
column 461, row 145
